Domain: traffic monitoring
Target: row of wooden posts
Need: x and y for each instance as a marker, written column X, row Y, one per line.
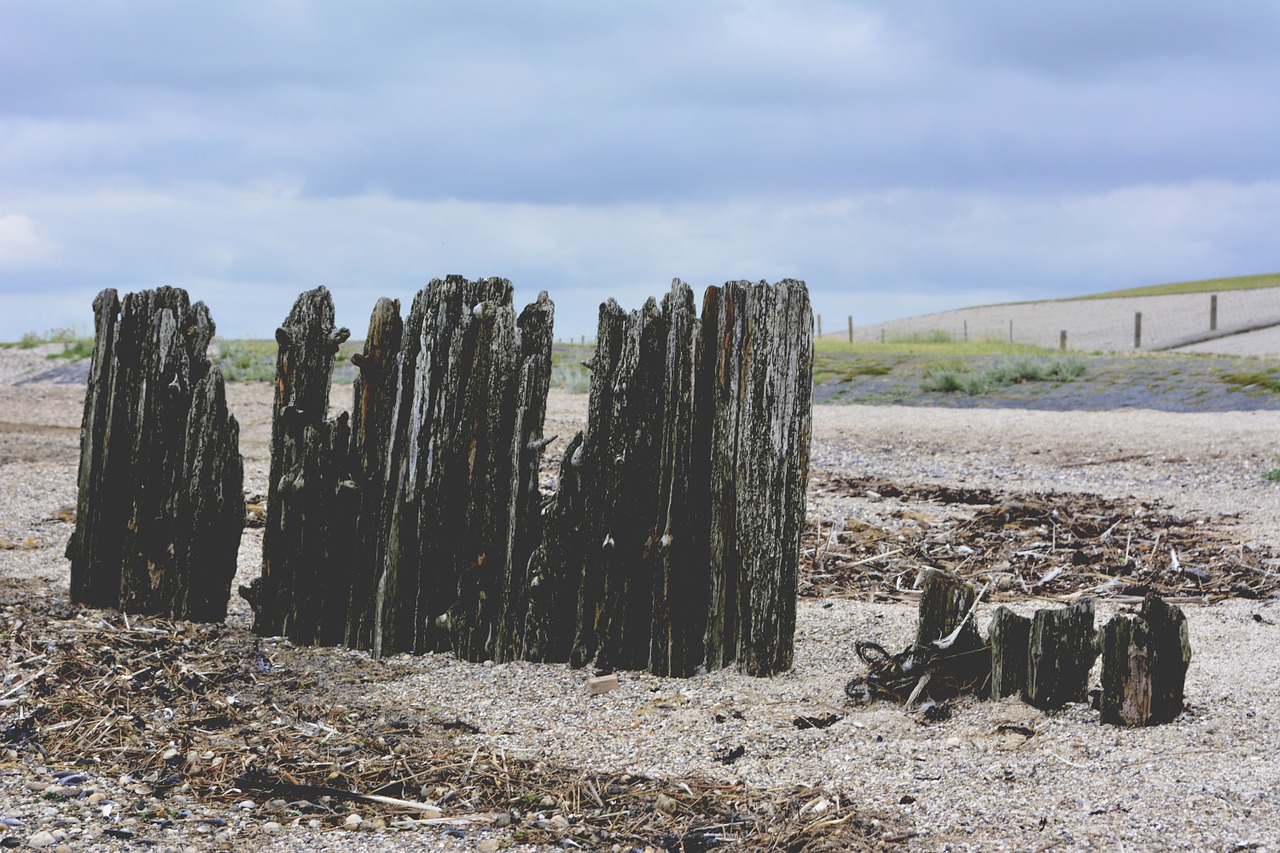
column 417, row 522
column 1046, row 658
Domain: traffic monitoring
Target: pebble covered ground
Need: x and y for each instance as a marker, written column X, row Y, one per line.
column 993, row 776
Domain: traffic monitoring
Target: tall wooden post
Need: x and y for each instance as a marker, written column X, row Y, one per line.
column 161, row 506
column 310, row 496
column 1213, row 312
column 1137, row 330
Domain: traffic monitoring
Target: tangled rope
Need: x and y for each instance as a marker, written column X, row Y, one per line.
column 899, row 676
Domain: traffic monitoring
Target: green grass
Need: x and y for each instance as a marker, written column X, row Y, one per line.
column 1207, row 285
column 567, row 370
column 955, row 377
column 245, row 360
column 1268, row 380
column 1273, row 475
column 75, row 346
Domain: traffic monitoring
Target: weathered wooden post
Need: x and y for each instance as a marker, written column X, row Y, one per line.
column 373, row 423
column 1061, row 651
column 1213, row 312
column 947, row 641
column 1008, row 635
column 160, row 507
column 1145, row 656
column 677, row 523
column 462, row 510
column 311, row 499
column 1137, row 330
column 757, row 372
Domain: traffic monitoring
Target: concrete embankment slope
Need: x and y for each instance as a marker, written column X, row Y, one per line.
column 1108, row 325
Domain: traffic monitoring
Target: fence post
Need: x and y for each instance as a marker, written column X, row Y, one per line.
column 966, row 331
column 1010, row 331
column 1062, row 340
column 1213, row 313
column 850, row 328
column 1137, row 330
column 819, row 325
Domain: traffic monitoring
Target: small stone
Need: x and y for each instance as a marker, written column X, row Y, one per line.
column 489, row 845
column 43, row 838
column 246, row 805
column 598, row 684
column 314, row 824
column 502, row 819
column 953, row 742
column 352, row 821
column 271, row 827
column 666, row 804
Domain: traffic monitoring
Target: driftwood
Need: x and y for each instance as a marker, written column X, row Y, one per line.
column 160, row 507
column 1145, row 656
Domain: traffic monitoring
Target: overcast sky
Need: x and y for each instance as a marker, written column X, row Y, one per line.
column 901, row 157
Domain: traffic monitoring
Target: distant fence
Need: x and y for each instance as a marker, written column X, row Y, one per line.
column 1105, row 325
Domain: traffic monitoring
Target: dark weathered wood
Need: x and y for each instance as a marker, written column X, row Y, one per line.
column 776, row 360
column 94, row 547
column 682, row 576
column 757, row 355
column 462, row 521
column 1061, row 650
column 946, row 600
column 1008, row 635
column 557, row 568
column 1145, row 656
column 671, row 543
column 624, row 418
column 373, row 423
column 691, row 482
column 524, row 523
column 160, row 500
column 308, row 462
column 947, row 643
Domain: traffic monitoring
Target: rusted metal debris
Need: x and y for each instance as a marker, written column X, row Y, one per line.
column 1055, row 546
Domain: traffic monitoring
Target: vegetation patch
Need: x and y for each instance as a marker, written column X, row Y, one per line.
column 950, row 378
column 74, row 345
column 1266, row 381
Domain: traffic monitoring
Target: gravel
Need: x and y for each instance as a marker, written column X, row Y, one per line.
column 1208, row 781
